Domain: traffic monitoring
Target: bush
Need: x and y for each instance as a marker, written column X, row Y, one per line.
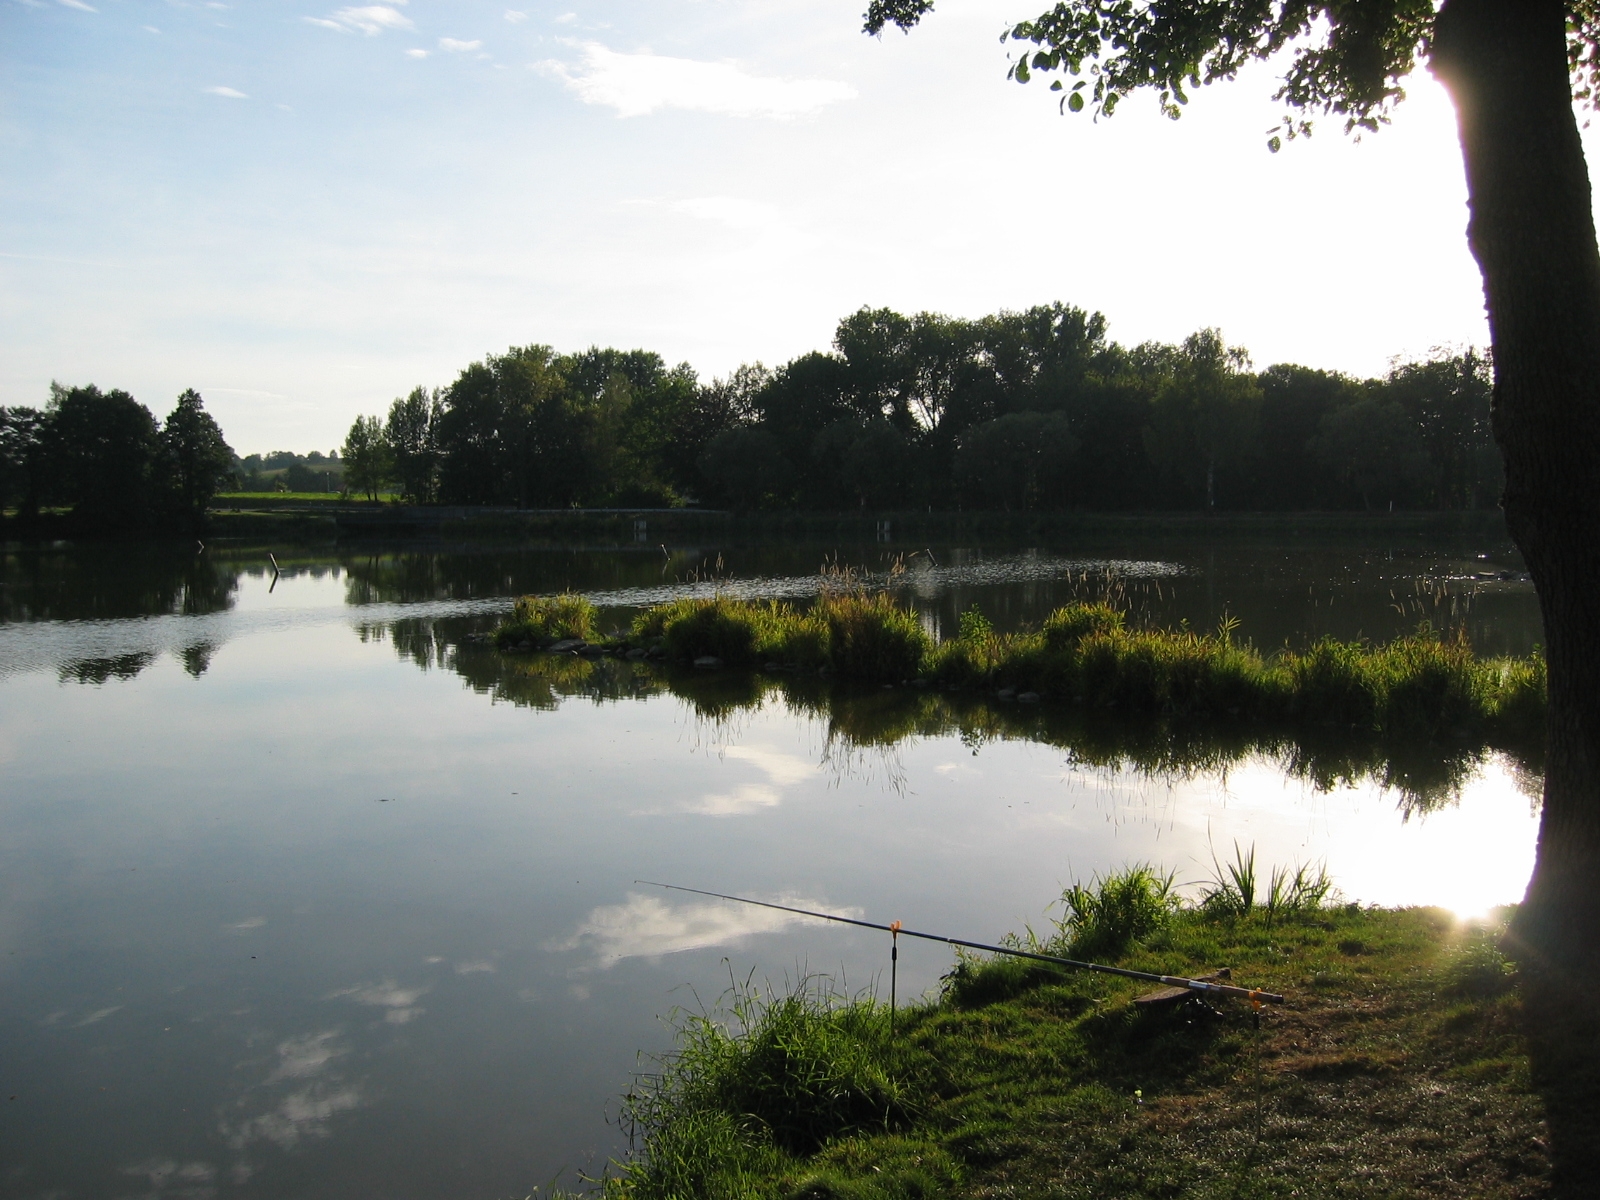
column 1065, row 628
column 546, row 618
column 721, row 628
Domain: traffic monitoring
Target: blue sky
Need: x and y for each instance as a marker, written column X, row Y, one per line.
column 304, row 209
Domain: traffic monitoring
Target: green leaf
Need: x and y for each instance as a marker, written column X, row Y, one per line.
column 1075, row 102
column 1055, row 85
column 1274, row 144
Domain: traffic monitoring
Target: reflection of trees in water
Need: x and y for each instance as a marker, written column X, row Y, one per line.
column 197, row 658
column 467, row 573
column 99, row 670
column 863, row 727
column 114, row 582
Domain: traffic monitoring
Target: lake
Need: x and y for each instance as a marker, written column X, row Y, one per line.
column 306, row 893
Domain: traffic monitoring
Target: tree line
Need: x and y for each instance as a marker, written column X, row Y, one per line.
column 1019, row 411
column 105, row 457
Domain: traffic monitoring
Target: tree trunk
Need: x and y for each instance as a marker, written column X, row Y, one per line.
column 1532, row 231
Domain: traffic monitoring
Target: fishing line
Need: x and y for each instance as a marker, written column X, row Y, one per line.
column 1203, row 986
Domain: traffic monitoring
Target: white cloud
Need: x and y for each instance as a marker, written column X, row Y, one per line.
column 636, row 85
column 230, row 93
column 515, row 17
column 647, row 927
column 733, row 212
column 79, row 5
column 368, row 19
column 455, row 46
column 150, row 29
column 416, row 54
column 566, row 18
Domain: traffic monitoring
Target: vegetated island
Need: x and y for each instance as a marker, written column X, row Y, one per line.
column 1394, row 1069
column 1419, row 689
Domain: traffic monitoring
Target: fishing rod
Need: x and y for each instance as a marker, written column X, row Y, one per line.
column 1202, row 986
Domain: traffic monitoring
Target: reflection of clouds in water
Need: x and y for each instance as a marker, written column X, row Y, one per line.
column 171, row 1178
column 304, row 1056
column 247, row 924
column 97, row 1016
column 647, row 926
column 304, row 1113
column 401, row 1002
column 781, row 769
column 300, row 1115
column 480, row 966
column 746, row 798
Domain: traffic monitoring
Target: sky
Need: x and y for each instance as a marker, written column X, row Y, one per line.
column 304, row 210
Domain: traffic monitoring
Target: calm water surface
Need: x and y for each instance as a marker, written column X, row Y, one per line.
column 304, row 895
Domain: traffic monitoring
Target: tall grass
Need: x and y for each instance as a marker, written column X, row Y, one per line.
column 1417, row 689
column 761, row 1081
column 1232, row 891
column 1103, row 918
column 539, row 619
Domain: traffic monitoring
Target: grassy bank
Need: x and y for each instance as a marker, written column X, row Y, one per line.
column 1395, row 1069
column 1420, row 688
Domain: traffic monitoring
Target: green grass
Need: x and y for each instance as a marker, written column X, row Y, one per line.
column 1394, row 1070
column 268, row 499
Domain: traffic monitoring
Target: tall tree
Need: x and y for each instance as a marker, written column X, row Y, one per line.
column 22, row 460
column 368, row 464
column 1513, row 69
column 1373, row 445
column 1204, row 413
column 197, row 457
column 411, row 431
column 103, row 450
